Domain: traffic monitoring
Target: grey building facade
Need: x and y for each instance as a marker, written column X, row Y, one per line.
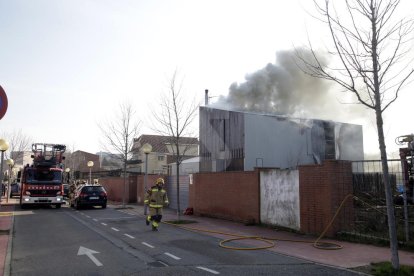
column 241, row 141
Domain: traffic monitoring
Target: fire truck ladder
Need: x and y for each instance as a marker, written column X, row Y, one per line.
column 48, row 154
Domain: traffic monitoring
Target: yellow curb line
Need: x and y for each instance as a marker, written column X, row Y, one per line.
column 6, row 214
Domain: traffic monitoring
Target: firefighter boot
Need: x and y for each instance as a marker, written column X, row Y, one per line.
column 147, row 220
column 154, row 226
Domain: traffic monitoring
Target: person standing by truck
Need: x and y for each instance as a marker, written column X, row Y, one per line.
column 156, row 198
column 72, row 188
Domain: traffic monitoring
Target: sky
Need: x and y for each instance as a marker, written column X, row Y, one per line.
column 67, row 65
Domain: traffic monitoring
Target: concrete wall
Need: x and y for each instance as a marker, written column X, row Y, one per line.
column 228, row 195
column 279, row 198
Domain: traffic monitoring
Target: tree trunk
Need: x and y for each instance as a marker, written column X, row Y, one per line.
column 392, row 228
column 178, row 192
column 178, row 182
column 124, row 196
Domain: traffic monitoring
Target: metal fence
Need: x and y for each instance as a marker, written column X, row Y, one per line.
column 184, row 191
column 369, row 212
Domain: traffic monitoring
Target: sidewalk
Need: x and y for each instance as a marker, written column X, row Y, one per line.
column 350, row 256
column 6, row 228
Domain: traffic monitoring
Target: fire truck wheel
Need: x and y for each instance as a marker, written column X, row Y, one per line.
column 103, row 206
column 57, row 206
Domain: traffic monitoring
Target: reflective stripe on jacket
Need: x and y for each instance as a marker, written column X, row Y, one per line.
column 156, row 198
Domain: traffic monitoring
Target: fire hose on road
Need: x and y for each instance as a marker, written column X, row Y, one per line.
column 270, row 242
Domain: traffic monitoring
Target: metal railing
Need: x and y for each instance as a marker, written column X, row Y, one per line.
column 369, row 213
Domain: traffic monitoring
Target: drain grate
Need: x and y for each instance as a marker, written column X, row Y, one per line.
column 327, row 245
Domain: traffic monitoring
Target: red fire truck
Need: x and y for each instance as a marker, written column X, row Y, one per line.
column 41, row 182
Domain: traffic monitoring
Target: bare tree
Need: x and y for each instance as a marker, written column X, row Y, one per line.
column 371, row 47
column 18, row 144
column 175, row 118
column 118, row 135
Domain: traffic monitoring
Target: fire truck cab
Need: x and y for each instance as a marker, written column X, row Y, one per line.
column 41, row 182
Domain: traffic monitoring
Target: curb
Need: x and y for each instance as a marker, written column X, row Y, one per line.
column 7, row 262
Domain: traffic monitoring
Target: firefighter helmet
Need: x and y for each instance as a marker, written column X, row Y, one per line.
column 159, row 181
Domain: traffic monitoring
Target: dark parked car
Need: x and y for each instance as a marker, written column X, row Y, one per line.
column 14, row 189
column 89, row 195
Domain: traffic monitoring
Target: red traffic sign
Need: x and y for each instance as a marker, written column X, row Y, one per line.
column 3, row 102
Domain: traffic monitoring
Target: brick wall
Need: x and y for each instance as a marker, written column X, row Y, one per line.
column 114, row 187
column 236, row 195
column 140, row 195
column 134, row 187
column 228, row 195
column 322, row 188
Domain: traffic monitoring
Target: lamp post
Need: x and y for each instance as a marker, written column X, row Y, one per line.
column 9, row 162
column 146, row 148
column 90, row 165
column 67, row 170
column 3, row 147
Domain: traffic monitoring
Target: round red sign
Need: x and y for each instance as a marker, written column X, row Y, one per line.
column 3, row 102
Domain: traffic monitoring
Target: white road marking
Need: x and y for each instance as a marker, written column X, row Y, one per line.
column 164, row 264
column 116, row 218
column 172, row 256
column 95, row 219
column 89, row 252
column 88, row 216
column 104, row 224
column 128, row 213
column 147, row 244
column 113, row 228
column 208, row 270
column 129, row 236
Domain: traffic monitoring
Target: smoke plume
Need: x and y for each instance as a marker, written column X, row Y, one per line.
column 284, row 89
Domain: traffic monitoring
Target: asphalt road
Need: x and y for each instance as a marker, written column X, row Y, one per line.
column 96, row 241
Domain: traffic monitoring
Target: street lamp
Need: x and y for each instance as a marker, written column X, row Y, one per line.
column 9, row 162
column 146, row 148
column 67, row 170
column 90, row 165
column 3, row 147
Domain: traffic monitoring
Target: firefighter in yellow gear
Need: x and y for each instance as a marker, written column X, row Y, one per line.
column 156, row 198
